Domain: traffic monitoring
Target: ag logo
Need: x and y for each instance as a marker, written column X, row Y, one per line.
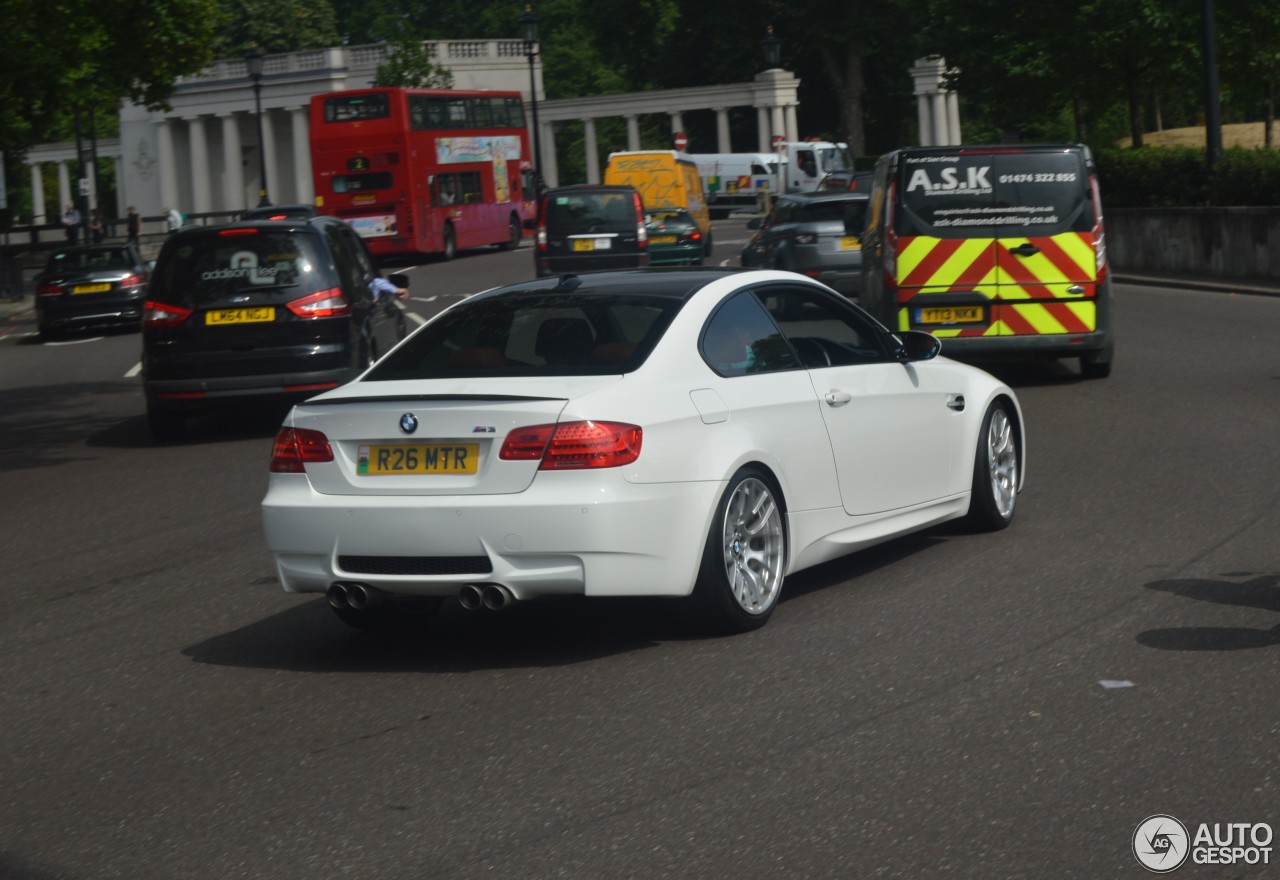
column 1161, row 843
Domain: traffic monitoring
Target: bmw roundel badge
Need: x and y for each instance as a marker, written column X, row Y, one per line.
column 408, row 423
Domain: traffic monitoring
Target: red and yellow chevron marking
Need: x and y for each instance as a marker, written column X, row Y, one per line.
column 1029, row 294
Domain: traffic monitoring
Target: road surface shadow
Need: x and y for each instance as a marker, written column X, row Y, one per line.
column 249, row 421
column 1260, row 591
column 547, row 632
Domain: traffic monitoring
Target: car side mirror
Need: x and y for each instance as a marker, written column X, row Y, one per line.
column 916, row 345
column 399, row 279
column 753, row 223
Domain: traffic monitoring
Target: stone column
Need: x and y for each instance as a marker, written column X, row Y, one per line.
column 302, row 179
column 677, row 123
column 233, row 194
column 122, row 197
column 201, row 195
column 37, row 195
column 762, row 130
column 550, row 170
column 592, row 150
column 168, row 165
column 633, row 132
column 953, row 118
column 925, row 120
column 64, row 187
column 793, row 128
column 724, row 143
column 938, row 106
column 268, row 148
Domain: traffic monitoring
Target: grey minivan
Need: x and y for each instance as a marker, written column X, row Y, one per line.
column 588, row 227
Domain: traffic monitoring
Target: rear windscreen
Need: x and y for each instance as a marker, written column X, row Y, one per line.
column 200, row 269
column 97, row 258
column 851, row 214
column 533, row 334
column 591, row 212
column 984, row 195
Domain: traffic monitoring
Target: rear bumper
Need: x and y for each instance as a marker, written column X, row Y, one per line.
column 1024, row 347
column 567, row 533
column 196, row 394
column 62, row 312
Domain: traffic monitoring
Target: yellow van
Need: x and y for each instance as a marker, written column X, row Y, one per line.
column 666, row 181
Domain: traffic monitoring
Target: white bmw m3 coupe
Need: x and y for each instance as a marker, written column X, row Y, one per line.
column 700, row 433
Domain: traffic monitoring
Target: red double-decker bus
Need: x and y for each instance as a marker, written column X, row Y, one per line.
column 423, row 171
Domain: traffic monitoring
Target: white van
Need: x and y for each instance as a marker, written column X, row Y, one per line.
column 736, row 180
column 806, row 163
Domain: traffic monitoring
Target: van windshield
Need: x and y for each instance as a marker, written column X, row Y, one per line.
column 986, row 195
column 575, row 213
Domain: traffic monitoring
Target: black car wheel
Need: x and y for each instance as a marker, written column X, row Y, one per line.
column 995, row 471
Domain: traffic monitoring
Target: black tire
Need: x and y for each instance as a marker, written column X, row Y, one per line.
column 514, row 234
column 396, row 615
column 745, row 556
column 450, row 244
column 995, row 471
column 166, row 425
column 47, row 333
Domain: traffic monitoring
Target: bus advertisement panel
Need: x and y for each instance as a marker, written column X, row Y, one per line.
column 423, row 171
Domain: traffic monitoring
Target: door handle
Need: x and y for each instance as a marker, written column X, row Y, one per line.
column 837, row 398
column 955, row 402
column 1027, row 249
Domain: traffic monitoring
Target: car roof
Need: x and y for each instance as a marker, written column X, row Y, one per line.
column 679, row 283
column 266, row 212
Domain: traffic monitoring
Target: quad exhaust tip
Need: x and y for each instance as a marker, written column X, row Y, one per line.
column 354, row 596
column 491, row 597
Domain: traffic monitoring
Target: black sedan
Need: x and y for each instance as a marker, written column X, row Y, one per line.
column 95, row 285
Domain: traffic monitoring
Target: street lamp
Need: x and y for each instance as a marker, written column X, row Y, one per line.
column 253, row 61
column 772, row 46
column 529, row 33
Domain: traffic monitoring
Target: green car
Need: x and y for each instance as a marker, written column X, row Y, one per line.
column 674, row 239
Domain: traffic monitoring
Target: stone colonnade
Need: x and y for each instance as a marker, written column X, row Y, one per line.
column 937, row 107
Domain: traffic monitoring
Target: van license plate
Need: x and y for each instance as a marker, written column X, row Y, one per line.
column 591, row 244
column 950, row 315
column 417, row 458
column 850, row 243
column 240, row 316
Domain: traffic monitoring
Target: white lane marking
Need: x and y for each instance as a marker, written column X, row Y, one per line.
column 416, row 317
column 76, row 341
column 134, row 370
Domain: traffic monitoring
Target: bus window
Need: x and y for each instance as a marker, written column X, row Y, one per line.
column 344, row 183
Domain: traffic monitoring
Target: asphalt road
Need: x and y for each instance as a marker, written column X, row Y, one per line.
column 988, row 706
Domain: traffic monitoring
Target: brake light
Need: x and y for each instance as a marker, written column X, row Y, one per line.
column 1099, row 236
column 48, row 288
column 232, row 233
column 295, row 447
column 132, row 281
column 694, row 236
column 158, row 314
column 642, row 232
column 574, row 445
column 322, row 304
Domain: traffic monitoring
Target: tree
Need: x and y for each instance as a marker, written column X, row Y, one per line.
column 409, row 64
column 274, row 26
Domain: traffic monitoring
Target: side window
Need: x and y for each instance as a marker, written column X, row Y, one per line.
column 352, row 280
column 360, row 254
column 824, row 331
column 740, row 339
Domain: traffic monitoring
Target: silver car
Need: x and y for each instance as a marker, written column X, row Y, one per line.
column 815, row 234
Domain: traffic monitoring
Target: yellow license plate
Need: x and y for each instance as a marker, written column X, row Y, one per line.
column 850, row 243
column 950, row 315
column 401, row 459
column 91, row 288
column 259, row 315
column 584, row 244
column 663, row 239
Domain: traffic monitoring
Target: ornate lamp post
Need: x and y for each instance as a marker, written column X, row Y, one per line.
column 529, row 33
column 253, row 61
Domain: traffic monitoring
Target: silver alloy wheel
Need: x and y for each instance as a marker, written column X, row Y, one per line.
column 754, row 546
column 1002, row 462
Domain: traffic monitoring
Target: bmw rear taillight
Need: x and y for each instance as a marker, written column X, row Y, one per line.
column 322, row 304
column 132, row 281
column 158, row 314
column 48, row 288
column 693, row 236
column 574, row 445
column 296, row 447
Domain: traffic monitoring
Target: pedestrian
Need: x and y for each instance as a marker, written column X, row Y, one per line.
column 71, row 223
column 174, row 217
column 96, row 231
column 133, row 226
column 381, row 287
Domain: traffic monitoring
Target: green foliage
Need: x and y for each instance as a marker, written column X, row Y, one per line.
column 274, row 26
column 1171, row 177
column 409, row 64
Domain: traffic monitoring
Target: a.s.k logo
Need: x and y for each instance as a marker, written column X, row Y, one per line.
column 408, row 423
column 1161, row 843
